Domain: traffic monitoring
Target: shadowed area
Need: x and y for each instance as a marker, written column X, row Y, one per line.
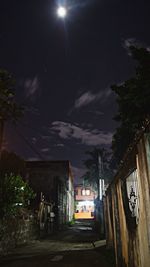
column 73, row 246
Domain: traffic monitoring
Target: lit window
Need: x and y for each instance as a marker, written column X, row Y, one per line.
column 88, row 192
column 83, row 192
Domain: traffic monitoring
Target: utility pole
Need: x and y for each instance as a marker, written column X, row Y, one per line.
column 101, row 180
column 101, row 192
column 1, row 135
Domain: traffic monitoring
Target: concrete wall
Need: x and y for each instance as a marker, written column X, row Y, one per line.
column 127, row 229
column 16, row 231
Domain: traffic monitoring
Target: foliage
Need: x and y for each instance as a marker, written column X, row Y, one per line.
column 14, row 193
column 133, row 100
column 11, row 163
column 97, row 166
column 71, row 223
column 9, row 109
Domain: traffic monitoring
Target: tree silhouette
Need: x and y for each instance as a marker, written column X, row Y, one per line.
column 9, row 109
column 97, row 166
column 11, row 163
column 133, row 98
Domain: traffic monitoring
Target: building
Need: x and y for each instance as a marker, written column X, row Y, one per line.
column 52, row 181
column 84, row 202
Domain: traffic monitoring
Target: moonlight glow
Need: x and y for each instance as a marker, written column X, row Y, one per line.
column 61, row 12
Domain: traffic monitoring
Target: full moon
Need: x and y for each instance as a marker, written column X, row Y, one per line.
column 61, row 12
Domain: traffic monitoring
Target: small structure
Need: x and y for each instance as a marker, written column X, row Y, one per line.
column 84, row 202
column 52, row 181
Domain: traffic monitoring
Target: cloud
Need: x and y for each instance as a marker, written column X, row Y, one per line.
column 88, row 98
column 32, row 110
column 85, row 99
column 80, row 4
column 45, row 150
column 34, row 140
column 129, row 42
column 59, row 145
column 85, row 136
column 133, row 42
column 46, row 137
column 31, row 87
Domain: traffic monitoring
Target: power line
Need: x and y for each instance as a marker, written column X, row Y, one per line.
column 29, row 144
column 33, row 129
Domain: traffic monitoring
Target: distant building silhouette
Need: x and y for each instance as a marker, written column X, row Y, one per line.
column 52, row 181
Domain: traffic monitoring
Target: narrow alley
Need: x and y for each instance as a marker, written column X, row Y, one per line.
column 77, row 245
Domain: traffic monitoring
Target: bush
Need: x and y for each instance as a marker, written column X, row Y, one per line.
column 14, row 194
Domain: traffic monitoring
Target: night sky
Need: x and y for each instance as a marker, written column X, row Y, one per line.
column 64, row 69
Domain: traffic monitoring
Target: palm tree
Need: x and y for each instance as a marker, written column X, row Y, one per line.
column 97, row 166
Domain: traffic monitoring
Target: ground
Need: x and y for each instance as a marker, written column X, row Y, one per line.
column 75, row 246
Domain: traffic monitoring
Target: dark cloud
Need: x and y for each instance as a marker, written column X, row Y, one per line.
column 89, row 97
column 34, row 140
column 90, row 137
column 45, row 150
column 59, row 145
column 32, row 87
